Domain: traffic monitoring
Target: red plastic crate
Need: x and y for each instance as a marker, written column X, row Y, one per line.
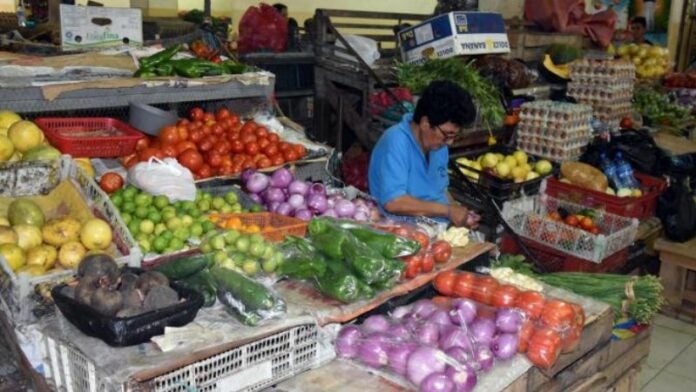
column 557, row 261
column 642, row 207
column 58, row 130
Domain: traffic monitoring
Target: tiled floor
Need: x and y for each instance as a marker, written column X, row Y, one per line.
column 671, row 365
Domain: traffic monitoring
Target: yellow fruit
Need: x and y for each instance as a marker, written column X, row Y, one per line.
column 25, row 135
column 14, row 255
column 521, row 157
column 518, row 173
column 543, row 167
column 610, row 191
column 489, row 160
column 16, row 157
column 4, row 221
column 43, row 256
column 502, row 169
column 71, row 254
column 499, row 156
column 531, row 175
column 7, row 149
column 7, row 118
column 31, row 270
column 60, row 231
column 511, row 161
column 96, row 234
column 8, row 235
column 28, row 236
column 86, row 165
column 636, row 193
column 3, row 131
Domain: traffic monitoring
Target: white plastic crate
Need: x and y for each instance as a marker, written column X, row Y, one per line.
column 528, row 217
column 16, row 291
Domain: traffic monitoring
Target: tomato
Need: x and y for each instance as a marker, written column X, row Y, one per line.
column 504, row 296
column 130, row 161
column 626, row 123
column 572, row 220
column 237, row 146
column 234, row 119
column 586, row 223
column 526, row 332
column 442, row 251
column 555, row 216
column 186, row 145
column 248, row 127
column 530, row 302
column 169, row 151
column 142, row 143
column 206, row 129
column 214, row 159
column 546, row 336
column 571, row 339
column 183, row 133
column 196, row 114
column 595, row 230
column 273, row 138
column 422, row 239
column 290, row 155
column 543, row 356
column 247, row 138
column 558, row 314
column 465, row 284
column 428, row 262
column 444, row 282
column 223, row 147
column 261, row 132
column 222, row 113
column 111, row 182
column 205, row 171
column 148, row 153
column 271, row 150
column 216, row 129
column 248, row 164
column 251, row 148
column 283, row 146
column 264, row 163
column 263, row 143
column 300, row 150
column 484, row 288
column 196, row 136
column 168, row 135
column 414, row 265
column 579, row 315
column 277, row 160
column 191, row 159
column 183, row 122
column 208, row 118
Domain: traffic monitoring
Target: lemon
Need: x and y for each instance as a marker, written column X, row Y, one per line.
column 14, row 255
column 7, row 118
column 25, row 135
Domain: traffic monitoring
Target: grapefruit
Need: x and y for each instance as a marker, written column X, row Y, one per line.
column 41, row 153
column 25, row 212
column 14, row 255
column 96, row 234
column 8, row 118
column 25, row 135
column 70, row 254
column 6, row 148
column 28, row 236
column 8, row 235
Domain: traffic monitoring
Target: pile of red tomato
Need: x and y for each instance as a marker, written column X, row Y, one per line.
column 217, row 144
column 437, row 252
column 551, row 326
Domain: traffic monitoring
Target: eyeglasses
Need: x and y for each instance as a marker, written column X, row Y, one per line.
column 448, row 136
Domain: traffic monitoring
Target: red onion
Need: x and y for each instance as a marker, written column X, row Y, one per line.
column 459, row 354
column 284, row 209
column 455, row 337
column 332, row 200
column 330, row 213
column 257, row 183
column 281, row 178
column 428, row 333
column 376, row 323
column 298, row 188
column 296, row 201
column 504, row 346
column 317, row 203
column 437, row 382
column 399, row 332
column 272, row 207
column 423, row 308
column 274, row 194
column 344, row 209
column 482, row 330
column 463, row 377
column 246, row 175
column 508, row 320
column 347, row 341
column 373, row 352
column 303, row 214
column 398, row 356
column 361, row 216
column 423, row 362
column 400, row 312
column 317, row 189
column 441, row 318
column 256, row 198
column 483, row 357
column 463, row 311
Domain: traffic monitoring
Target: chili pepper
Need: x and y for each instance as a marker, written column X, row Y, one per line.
column 233, row 67
column 164, row 69
column 195, row 68
column 160, row 57
column 144, row 72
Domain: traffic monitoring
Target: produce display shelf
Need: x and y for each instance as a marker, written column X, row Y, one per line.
column 29, row 100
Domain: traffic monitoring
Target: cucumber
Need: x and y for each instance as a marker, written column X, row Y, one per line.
column 204, row 283
column 185, row 267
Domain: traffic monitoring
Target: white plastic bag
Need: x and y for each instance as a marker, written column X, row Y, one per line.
column 164, row 177
column 365, row 47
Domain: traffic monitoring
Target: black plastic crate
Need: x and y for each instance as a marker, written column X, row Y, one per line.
column 291, row 77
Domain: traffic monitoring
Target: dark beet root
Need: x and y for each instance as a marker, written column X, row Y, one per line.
column 150, row 279
column 84, row 291
column 132, row 298
column 107, row 302
column 129, row 312
column 128, row 281
column 68, row 291
column 99, row 267
column 160, row 297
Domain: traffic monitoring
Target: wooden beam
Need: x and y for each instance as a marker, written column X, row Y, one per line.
column 372, row 14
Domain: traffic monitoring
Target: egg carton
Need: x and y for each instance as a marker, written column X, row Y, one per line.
column 576, row 140
column 554, row 123
column 559, row 112
column 583, row 95
column 554, row 128
column 621, row 83
column 551, row 152
column 602, row 69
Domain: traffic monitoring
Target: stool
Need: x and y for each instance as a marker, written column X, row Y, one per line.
column 678, row 275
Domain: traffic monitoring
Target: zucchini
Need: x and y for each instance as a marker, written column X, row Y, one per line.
column 204, row 283
column 185, row 267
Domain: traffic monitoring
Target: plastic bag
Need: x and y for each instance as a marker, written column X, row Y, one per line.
column 262, row 28
column 164, row 177
column 584, row 176
column 676, row 209
column 637, row 147
column 365, row 47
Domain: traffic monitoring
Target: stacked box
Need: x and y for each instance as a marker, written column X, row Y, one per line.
column 554, row 130
column 606, row 85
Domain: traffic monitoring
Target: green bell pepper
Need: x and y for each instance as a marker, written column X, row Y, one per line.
column 195, row 68
column 159, row 57
column 302, row 260
column 338, row 283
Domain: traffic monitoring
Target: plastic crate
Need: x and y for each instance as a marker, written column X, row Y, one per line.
column 274, row 227
column 58, row 130
column 528, row 218
column 28, row 178
column 642, row 207
column 17, row 293
column 556, row 261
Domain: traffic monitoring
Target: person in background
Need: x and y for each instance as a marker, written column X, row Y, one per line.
column 293, row 27
column 408, row 169
column 638, row 27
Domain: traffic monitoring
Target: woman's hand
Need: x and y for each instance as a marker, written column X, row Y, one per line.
column 462, row 216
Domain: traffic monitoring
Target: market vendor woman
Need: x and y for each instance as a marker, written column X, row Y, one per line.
column 408, row 168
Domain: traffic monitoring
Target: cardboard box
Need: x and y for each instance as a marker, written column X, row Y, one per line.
column 453, row 34
column 100, row 27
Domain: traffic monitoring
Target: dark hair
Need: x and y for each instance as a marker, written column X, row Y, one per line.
column 641, row 21
column 280, row 7
column 444, row 101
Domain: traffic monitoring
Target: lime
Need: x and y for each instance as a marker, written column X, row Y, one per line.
column 168, row 213
column 145, row 245
column 173, row 223
column 218, row 202
column 203, row 205
column 143, row 199
column 207, row 196
column 257, row 249
column 147, row 226
column 159, row 244
column 189, row 206
column 134, row 227
column 218, row 242
column 219, row 256
column 250, row 267
column 181, row 233
column 268, row 254
column 130, row 192
column 168, row 235
column 176, row 244
column 117, row 200
column 160, row 201
column 277, row 258
column 236, row 209
column 256, row 238
column 186, row 220
column 179, row 205
column 269, row 266
column 227, row 209
column 256, row 208
column 141, row 236
column 196, row 229
column 242, row 244
column 160, row 228
column 231, row 198
column 141, row 212
column 155, row 217
column 208, row 226
column 231, row 236
column 195, row 213
column 199, row 195
column 128, row 206
column 126, row 217
column 206, row 247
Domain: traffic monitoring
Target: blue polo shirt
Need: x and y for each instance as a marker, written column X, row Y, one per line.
column 398, row 167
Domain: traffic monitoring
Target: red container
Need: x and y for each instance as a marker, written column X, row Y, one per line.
column 97, row 137
column 557, row 261
column 642, row 207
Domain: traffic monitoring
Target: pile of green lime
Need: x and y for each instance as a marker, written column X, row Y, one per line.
column 162, row 226
column 245, row 253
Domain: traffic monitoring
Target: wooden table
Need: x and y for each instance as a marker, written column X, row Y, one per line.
column 677, row 269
